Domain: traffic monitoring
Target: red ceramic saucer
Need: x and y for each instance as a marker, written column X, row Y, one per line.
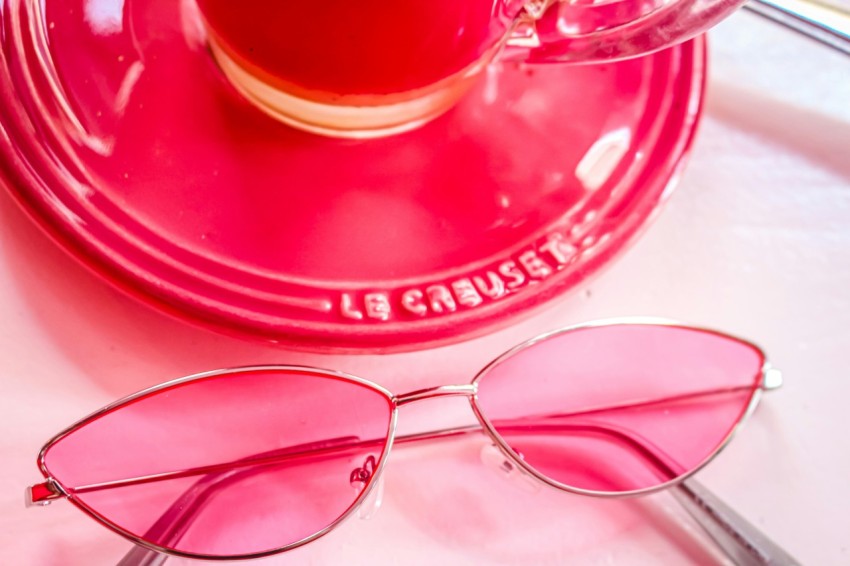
column 121, row 137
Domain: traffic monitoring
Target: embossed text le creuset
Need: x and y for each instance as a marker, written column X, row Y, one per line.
column 124, row 141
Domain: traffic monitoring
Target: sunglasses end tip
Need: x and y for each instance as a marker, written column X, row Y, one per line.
column 42, row 494
column 772, row 379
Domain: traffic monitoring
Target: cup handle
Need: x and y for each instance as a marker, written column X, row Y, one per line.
column 584, row 31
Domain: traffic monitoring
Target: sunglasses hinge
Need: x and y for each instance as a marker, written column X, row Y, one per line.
column 40, row 495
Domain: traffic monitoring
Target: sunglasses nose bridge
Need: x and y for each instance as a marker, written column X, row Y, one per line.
column 468, row 390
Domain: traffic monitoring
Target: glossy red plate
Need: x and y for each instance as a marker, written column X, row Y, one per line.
column 121, row 137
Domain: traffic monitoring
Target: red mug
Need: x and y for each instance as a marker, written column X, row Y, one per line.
column 368, row 68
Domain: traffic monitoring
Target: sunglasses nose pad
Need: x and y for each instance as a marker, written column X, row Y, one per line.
column 359, row 479
column 496, row 460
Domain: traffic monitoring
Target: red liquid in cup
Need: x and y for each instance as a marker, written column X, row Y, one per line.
column 329, row 49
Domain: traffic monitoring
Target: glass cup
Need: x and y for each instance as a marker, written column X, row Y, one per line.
column 376, row 67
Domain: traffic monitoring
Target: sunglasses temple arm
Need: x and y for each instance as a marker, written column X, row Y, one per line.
column 173, row 523
column 187, row 504
column 739, row 539
column 742, row 542
column 141, row 556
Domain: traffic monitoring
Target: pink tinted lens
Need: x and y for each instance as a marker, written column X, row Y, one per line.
column 620, row 408
column 230, row 465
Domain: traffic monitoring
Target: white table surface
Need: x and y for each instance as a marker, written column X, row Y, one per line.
column 755, row 241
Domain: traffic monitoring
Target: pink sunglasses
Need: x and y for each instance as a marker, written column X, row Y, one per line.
column 252, row 461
